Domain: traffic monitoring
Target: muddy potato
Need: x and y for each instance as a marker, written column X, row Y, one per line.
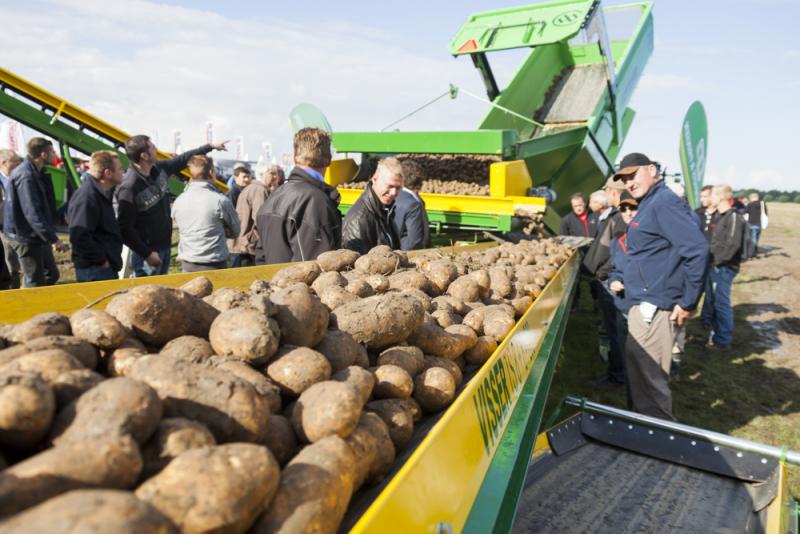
column 372, row 448
column 265, row 387
column 434, row 389
column 521, row 305
column 72, row 384
column 227, row 298
column 447, row 343
column 191, row 348
column 409, row 280
column 500, row 282
column 483, row 349
column 260, row 287
column 334, row 296
column 448, row 365
column 295, row 369
column 421, row 296
column 359, row 378
column 448, row 303
column 392, row 382
column 199, row 286
column 325, row 409
column 359, row 287
column 440, row 273
column 81, row 349
column 337, row 260
column 44, row 324
column 497, row 325
column 474, row 319
column 117, row 406
column 49, row 363
column 465, row 288
column 281, row 439
column 414, row 408
column 406, row 357
column 314, row 490
column 379, row 260
column 222, row 488
column 381, row 320
column 91, row 511
column 379, row 283
column 398, row 418
column 156, row 314
column 302, row 317
column 484, row 281
column 230, row 407
column 243, row 334
column 119, row 361
column 301, row 273
column 103, row 462
column 27, row 408
column 328, row 279
column 341, row 350
column 173, row 436
column 446, row 318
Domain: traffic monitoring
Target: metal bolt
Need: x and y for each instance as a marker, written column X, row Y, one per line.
column 694, row 443
column 739, row 455
column 763, row 460
column 672, row 438
column 716, row 449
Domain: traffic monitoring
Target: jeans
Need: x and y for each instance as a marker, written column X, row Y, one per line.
column 755, row 232
column 142, row 268
column 722, row 322
column 707, row 313
column 95, row 274
column 617, row 330
column 12, row 261
column 37, row 263
column 242, row 260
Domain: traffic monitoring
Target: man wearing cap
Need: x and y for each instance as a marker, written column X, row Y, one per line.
column 598, row 263
column 663, row 275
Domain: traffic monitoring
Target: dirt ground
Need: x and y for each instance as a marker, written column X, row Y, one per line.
column 751, row 390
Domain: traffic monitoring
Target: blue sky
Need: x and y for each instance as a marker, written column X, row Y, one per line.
column 155, row 67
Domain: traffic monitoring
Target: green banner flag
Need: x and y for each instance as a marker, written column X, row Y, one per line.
column 694, row 148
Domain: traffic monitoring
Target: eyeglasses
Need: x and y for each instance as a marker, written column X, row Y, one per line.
column 624, row 209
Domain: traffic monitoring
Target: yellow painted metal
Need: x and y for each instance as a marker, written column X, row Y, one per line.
column 440, row 480
column 778, row 520
column 340, row 171
column 507, row 178
column 451, row 203
column 19, row 304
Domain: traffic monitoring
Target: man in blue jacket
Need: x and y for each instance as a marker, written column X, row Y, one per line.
column 29, row 215
column 663, row 277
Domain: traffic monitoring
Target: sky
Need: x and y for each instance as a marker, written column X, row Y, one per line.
column 156, row 67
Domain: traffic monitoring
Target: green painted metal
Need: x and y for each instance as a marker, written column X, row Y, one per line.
column 486, row 141
column 495, row 506
column 59, row 179
column 521, row 27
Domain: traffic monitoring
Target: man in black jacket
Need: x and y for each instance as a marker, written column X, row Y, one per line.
column 144, row 210
column 301, row 219
column 29, row 215
column 93, row 228
column 368, row 223
column 578, row 222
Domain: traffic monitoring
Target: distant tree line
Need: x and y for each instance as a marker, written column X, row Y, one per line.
column 773, row 195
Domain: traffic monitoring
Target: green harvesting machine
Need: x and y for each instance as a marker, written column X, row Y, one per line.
column 558, row 125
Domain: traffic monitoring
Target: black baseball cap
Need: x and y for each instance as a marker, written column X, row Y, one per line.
column 627, row 198
column 631, row 163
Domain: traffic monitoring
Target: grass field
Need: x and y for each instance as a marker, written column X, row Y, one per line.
column 751, row 390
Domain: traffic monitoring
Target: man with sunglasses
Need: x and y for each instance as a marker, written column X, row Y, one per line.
column 663, row 274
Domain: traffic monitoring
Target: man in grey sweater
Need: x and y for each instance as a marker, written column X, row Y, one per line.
column 204, row 217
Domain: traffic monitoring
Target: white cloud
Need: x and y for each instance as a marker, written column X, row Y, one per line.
column 147, row 67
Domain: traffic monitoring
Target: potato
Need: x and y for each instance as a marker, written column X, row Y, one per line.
column 44, row 324
column 414, row 408
column 72, row 384
column 295, row 369
column 325, row 409
column 521, row 305
column 260, row 287
column 379, row 283
column 119, row 361
column 281, row 439
column 392, row 382
column 222, row 488
column 409, row 279
column 337, row 260
column 464, row 334
column 448, row 303
column 227, row 298
column 328, row 279
column 264, row 386
column 482, row 351
column 446, row 318
column 447, row 343
column 341, row 350
column 244, row 334
column 497, row 325
column 100, row 462
column 81, row 349
column 191, row 348
column 334, row 296
column 314, row 490
column 302, row 317
column 398, row 418
column 406, row 357
column 501, row 285
column 157, row 314
column 91, row 511
column 448, row 365
column 173, row 436
column 27, row 407
column 115, row 407
column 381, row 320
column 484, row 281
column 474, row 319
column 465, row 288
column 434, row 389
column 372, row 448
column 421, row 296
column 360, row 288
column 301, row 273
column 231, row 408
column 98, row 328
column 440, row 273
column 48, row 363
column 379, row 260
column 199, row 286
column 359, row 378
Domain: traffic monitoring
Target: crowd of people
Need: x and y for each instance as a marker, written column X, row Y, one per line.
column 268, row 218
column 651, row 261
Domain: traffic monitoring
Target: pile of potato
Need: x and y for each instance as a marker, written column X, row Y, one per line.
column 192, row 410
